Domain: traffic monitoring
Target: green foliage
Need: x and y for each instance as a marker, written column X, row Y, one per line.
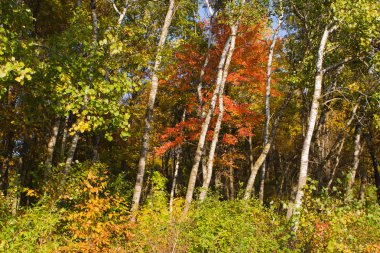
column 332, row 225
column 32, row 231
column 233, row 226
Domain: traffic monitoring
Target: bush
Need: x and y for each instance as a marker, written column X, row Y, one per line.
column 32, row 231
column 233, row 226
column 98, row 222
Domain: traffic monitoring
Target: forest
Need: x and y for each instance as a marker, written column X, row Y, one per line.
column 189, row 126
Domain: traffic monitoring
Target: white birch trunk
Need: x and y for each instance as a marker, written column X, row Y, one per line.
column 149, row 112
column 357, row 151
column 205, row 126
column 294, row 208
column 51, row 145
column 214, row 142
column 267, row 102
column 71, row 152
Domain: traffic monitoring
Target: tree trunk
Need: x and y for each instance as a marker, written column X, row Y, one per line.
column 51, row 146
column 95, row 32
column 256, row 166
column 71, row 152
column 94, row 20
column 363, row 184
column 223, row 67
column 337, row 161
column 176, row 169
column 376, row 168
column 205, row 126
column 201, row 111
column 64, row 139
column 4, row 179
column 175, row 174
column 231, row 181
column 354, row 168
column 215, row 138
column 251, row 161
column 342, row 135
column 310, row 128
column 95, row 149
column 149, row 111
column 267, row 102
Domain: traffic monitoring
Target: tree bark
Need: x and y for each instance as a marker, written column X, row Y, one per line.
column 64, row 139
column 363, row 184
column 205, row 126
column 94, row 20
column 74, row 143
column 214, row 142
column 4, row 179
column 223, row 67
column 51, row 146
column 256, row 166
column 251, row 161
column 215, row 138
column 71, row 152
column 357, row 151
column 338, row 139
column 336, row 164
column 231, row 181
column 376, row 168
column 176, row 169
column 175, row 174
column 267, row 102
column 149, row 111
column 310, row 128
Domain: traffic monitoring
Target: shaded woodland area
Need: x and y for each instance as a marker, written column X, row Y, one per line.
column 189, row 126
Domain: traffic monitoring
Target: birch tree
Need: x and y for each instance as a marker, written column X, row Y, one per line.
column 149, row 111
column 268, row 94
column 311, row 122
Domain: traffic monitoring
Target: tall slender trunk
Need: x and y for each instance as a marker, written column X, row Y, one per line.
column 175, row 174
column 354, row 168
column 336, row 164
column 214, row 142
column 263, row 155
column 204, row 166
column 176, row 169
column 201, row 111
column 267, row 102
column 363, row 184
column 74, row 143
column 51, row 145
column 94, row 20
column 223, row 67
column 71, row 152
column 283, row 176
column 231, row 181
column 205, row 126
column 251, row 161
column 215, row 138
column 95, row 149
column 310, row 128
column 338, row 139
column 4, row 179
column 375, row 163
column 149, row 111
column 64, row 138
